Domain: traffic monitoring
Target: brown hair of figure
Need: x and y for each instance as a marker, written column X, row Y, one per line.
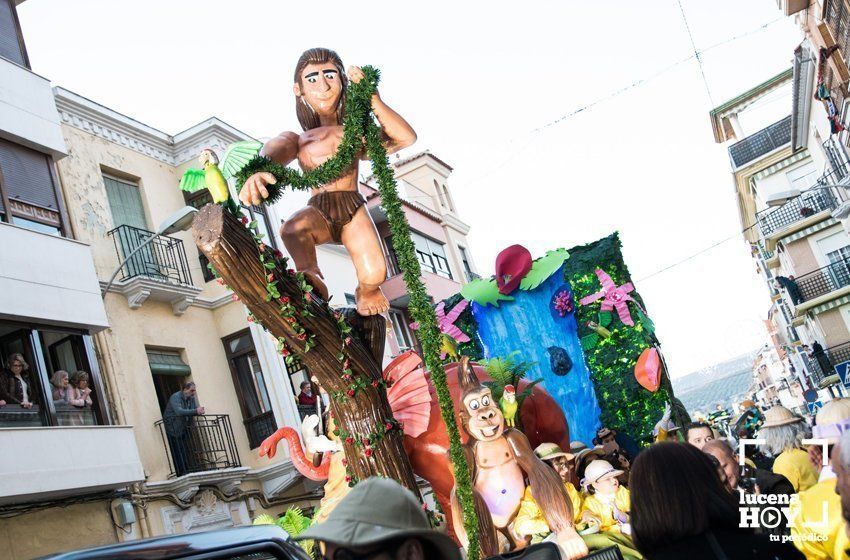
column 306, row 116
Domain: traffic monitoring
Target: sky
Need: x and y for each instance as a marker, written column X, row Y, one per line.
column 480, row 82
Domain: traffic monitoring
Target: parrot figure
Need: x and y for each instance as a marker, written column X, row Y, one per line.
column 448, row 347
column 508, row 405
column 213, row 178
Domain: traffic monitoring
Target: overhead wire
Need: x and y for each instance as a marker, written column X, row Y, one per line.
column 532, row 134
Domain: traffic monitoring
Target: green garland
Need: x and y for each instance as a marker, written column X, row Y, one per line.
column 359, row 124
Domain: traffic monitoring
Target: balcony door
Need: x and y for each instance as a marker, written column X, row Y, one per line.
column 249, row 380
column 128, row 217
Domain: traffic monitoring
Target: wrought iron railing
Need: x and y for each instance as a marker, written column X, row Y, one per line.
column 837, row 17
column 815, row 200
column 163, row 258
column 824, row 280
column 259, row 428
column 760, row 143
column 824, row 365
column 198, row 443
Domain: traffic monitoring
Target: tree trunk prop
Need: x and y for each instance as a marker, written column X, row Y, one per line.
column 345, row 361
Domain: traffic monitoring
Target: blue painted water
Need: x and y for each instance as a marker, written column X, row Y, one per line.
column 530, row 325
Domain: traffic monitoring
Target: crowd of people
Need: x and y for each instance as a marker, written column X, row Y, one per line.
column 694, row 493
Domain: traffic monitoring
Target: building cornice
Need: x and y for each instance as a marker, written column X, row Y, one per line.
column 454, row 222
column 91, row 117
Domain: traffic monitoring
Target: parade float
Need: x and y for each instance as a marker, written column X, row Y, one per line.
column 546, row 351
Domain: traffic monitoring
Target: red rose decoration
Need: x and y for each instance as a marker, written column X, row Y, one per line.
column 270, row 277
column 350, row 392
column 368, row 452
column 244, row 221
column 388, row 426
column 234, row 297
column 284, row 352
column 349, row 440
column 345, row 462
column 262, row 247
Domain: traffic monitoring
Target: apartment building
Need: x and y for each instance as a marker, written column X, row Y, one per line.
column 789, row 178
column 51, row 311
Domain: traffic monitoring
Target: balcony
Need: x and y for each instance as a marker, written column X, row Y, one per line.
column 54, row 463
column 761, row 143
column 207, row 444
column 159, row 271
column 835, row 30
column 810, row 206
column 823, row 371
column 815, row 286
column 28, row 113
column 48, row 279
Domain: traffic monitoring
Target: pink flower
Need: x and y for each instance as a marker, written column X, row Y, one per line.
column 284, row 352
column 388, row 426
column 220, row 281
column 270, row 277
column 368, row 452
column 284, row 300
column 234, row 297
column 250, row 319
column 344, row 462
column 302, row 336
column 262, row 247
column 350, row 392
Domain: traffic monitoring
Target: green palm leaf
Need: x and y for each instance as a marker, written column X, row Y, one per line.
column 484, row 292
column 193, row 180
column 543, row 268
column 238, row 155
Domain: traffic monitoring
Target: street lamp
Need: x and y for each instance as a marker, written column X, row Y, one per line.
column 780, row 198
column 179, row 221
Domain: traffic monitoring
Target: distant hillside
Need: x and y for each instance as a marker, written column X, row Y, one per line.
column 726, row 382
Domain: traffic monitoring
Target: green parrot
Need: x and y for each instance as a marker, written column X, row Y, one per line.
column 508, row 405
column 214, row 179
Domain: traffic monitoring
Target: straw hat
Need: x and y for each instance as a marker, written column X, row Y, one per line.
column 549, row 451
column 779, row 416
column 603, row 432
column 597, row 470
column 832, row 420
column 595, row 451
column 576, row 446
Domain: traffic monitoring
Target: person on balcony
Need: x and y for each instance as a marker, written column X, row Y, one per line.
column 182, row 406
column 15, row 386
column 61, row 386
column 819, row 355
column 79, row 394
column 790, row 285
column 306, row 396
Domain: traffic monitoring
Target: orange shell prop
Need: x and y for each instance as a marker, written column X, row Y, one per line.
column 648, row 370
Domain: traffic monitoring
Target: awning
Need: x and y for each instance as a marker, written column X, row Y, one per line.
column 830, row 305
column 829, row 222
column 777, row 167
column 167, row 363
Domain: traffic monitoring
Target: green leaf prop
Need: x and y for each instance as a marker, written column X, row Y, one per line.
column 193, row 180
column 484, row 292
column 359, row 124
column 543, row 268
column 605, row 318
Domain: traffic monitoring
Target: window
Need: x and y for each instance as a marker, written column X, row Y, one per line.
column 467, row 268
column 11, row 39
column 432, row 255
column 259, row 214
column 350, row 299
column 803, row 177
column 42, row 395
column 392, row 258
column 401, row 330
column 440, row 194
column 28, row 191
column 250, row 384
column 448, row 198
column 169, row 373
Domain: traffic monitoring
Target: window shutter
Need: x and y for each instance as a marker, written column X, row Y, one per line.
column 125, row 202
column 10, row 46
column 27, row 175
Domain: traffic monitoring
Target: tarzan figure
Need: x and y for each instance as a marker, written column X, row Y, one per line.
column 336, row 212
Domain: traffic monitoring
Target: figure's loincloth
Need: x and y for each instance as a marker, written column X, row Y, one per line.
column 337, row 208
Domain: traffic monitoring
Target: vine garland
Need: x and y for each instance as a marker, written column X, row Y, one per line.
column 359, row 125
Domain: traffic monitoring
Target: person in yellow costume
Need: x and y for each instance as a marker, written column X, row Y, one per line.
column 607, row 502
column 816, row 522
column 530, row 522
column 784, row 432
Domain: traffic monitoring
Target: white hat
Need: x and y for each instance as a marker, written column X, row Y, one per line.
column 597, row 470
